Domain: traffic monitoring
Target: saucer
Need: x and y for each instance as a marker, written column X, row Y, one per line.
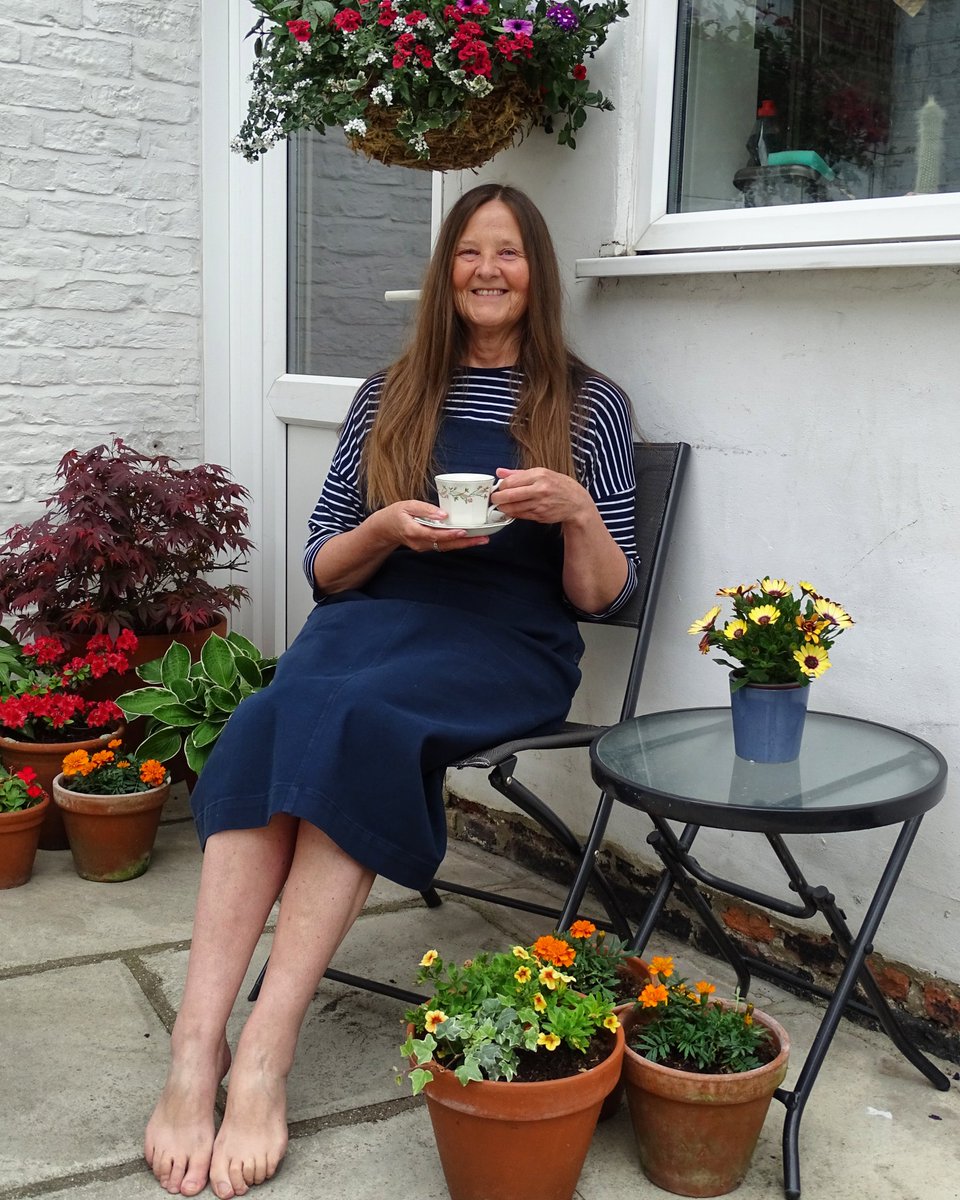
column 471, row 530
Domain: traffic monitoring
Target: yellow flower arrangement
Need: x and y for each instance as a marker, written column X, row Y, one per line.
column 774, row 636
column 485, row 1015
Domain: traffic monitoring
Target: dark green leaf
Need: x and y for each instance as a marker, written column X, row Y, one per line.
column 175, row 664
column 145, row 701
column 218, row 662
column 176, row 714
column 162, row 745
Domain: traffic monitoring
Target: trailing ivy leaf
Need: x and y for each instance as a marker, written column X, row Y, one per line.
column 419, row 1078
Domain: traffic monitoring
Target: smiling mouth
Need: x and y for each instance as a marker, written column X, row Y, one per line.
column 489, row 291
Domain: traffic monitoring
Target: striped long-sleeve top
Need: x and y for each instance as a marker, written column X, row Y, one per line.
column 602, row 455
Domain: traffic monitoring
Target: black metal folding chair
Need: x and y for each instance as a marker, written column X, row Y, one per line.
column 659, row 470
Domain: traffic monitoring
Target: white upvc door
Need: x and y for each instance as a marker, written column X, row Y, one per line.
column 276, row 431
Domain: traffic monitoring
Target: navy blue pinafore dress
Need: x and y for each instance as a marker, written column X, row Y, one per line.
column 437, row 655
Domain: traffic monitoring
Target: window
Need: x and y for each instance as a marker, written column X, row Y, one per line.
column 356, row 229
column 767, row 127
column 800, row 101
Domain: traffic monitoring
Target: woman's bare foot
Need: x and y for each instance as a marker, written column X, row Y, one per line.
column 253, row 1135
column 179, row 1139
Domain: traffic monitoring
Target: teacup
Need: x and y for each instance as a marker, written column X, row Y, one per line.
column 465, row 498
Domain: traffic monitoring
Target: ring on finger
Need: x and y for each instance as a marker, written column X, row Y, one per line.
column 436, row 547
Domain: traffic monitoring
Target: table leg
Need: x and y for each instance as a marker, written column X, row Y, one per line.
column 661, row 894
column 855, row 967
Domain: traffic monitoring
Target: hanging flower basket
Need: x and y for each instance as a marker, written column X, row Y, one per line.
column 435, row 85
column 486, row 127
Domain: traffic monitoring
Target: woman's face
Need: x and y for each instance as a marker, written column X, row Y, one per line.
column 491, row 277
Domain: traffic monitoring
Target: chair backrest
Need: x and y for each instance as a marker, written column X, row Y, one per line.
column 659, row 468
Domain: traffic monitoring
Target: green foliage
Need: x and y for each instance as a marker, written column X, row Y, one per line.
column 19, row 790
column 484, row 1013
column 112, row 771
column 598, row 965
column 681, row 1026
column 188, row 704
column 342, row 62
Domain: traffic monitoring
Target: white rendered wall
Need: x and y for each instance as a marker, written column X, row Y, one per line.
column 100, row 225
column 822, row 411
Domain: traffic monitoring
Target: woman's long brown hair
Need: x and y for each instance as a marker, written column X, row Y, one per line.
column 396, row 462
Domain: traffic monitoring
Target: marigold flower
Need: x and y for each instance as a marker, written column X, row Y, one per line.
column 612, row 1022
column 554, row 950
column 434, row 1018
column 661, row 965
column 523, row 974
column 550, row 1040
column 115, row 744
column 102, row 757
column 765, row 614
column 653, row 994
column 705, row 624
column 152, row 772
column 77, row 763
column 704, row 988
column 429, row 958
column 123, row 763
column 582, row 929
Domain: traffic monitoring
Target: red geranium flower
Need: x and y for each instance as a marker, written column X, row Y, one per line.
column 349, row 20
column 579, row 71
column 299, row 30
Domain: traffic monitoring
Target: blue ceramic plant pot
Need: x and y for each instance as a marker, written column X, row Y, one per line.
column 768, row 721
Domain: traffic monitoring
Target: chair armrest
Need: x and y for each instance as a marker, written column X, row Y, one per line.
column 569, row 735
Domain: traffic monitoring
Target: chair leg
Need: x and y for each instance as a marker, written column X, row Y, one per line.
column 431, row 898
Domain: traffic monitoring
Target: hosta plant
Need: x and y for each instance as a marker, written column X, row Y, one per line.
column 187, row 704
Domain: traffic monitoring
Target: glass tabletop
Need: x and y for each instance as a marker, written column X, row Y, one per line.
column 851, row 774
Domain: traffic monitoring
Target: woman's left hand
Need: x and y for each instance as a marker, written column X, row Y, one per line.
column 540, row 495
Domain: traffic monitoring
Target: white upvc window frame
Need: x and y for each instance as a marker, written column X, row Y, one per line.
column 647, row 240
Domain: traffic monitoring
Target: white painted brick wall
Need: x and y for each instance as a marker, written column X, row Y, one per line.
column 100, row 295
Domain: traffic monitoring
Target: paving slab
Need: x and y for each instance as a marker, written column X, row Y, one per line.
column 82, row 1054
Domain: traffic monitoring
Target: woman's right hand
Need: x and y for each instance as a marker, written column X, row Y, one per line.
column 396, row 523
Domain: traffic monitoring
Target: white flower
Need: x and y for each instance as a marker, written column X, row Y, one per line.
column 419, row 143
column 376, row 56
column 382, row 94
column 356, row 126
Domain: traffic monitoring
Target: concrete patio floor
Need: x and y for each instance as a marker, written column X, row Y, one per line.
column 91, row 975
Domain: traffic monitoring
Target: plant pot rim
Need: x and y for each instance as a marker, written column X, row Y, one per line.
column 533, row 1088
column 72, row 743
column 128, row 802
column 768, row 687
column 33, row 811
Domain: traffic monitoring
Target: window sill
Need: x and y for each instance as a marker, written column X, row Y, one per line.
column 938, row 252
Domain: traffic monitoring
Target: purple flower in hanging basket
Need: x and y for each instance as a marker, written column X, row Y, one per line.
column 516, row 25
column 562, row 16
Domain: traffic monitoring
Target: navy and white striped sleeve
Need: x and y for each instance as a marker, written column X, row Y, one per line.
column 340, row 507
column 604, row 459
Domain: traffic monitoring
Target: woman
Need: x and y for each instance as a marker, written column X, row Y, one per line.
column 417, row 637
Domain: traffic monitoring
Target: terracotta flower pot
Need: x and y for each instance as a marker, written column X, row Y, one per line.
column 695, row 1133
column 517, row 1141
column 46, row 758
column 111, row 837
column 634, row 974
column 19, row 837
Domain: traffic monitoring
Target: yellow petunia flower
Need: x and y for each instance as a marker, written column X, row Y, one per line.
column 706, row 621
column 429, row 958
column 523, row 974
column 765, row 614
column 832, row 613
column 661, row 965
column 550, row 1040
column 812, row 661
column 612, row 1023
column 775, row 587
column 735, row 629
column 434, row 1018
column 539, row 1003
column 519, row 952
